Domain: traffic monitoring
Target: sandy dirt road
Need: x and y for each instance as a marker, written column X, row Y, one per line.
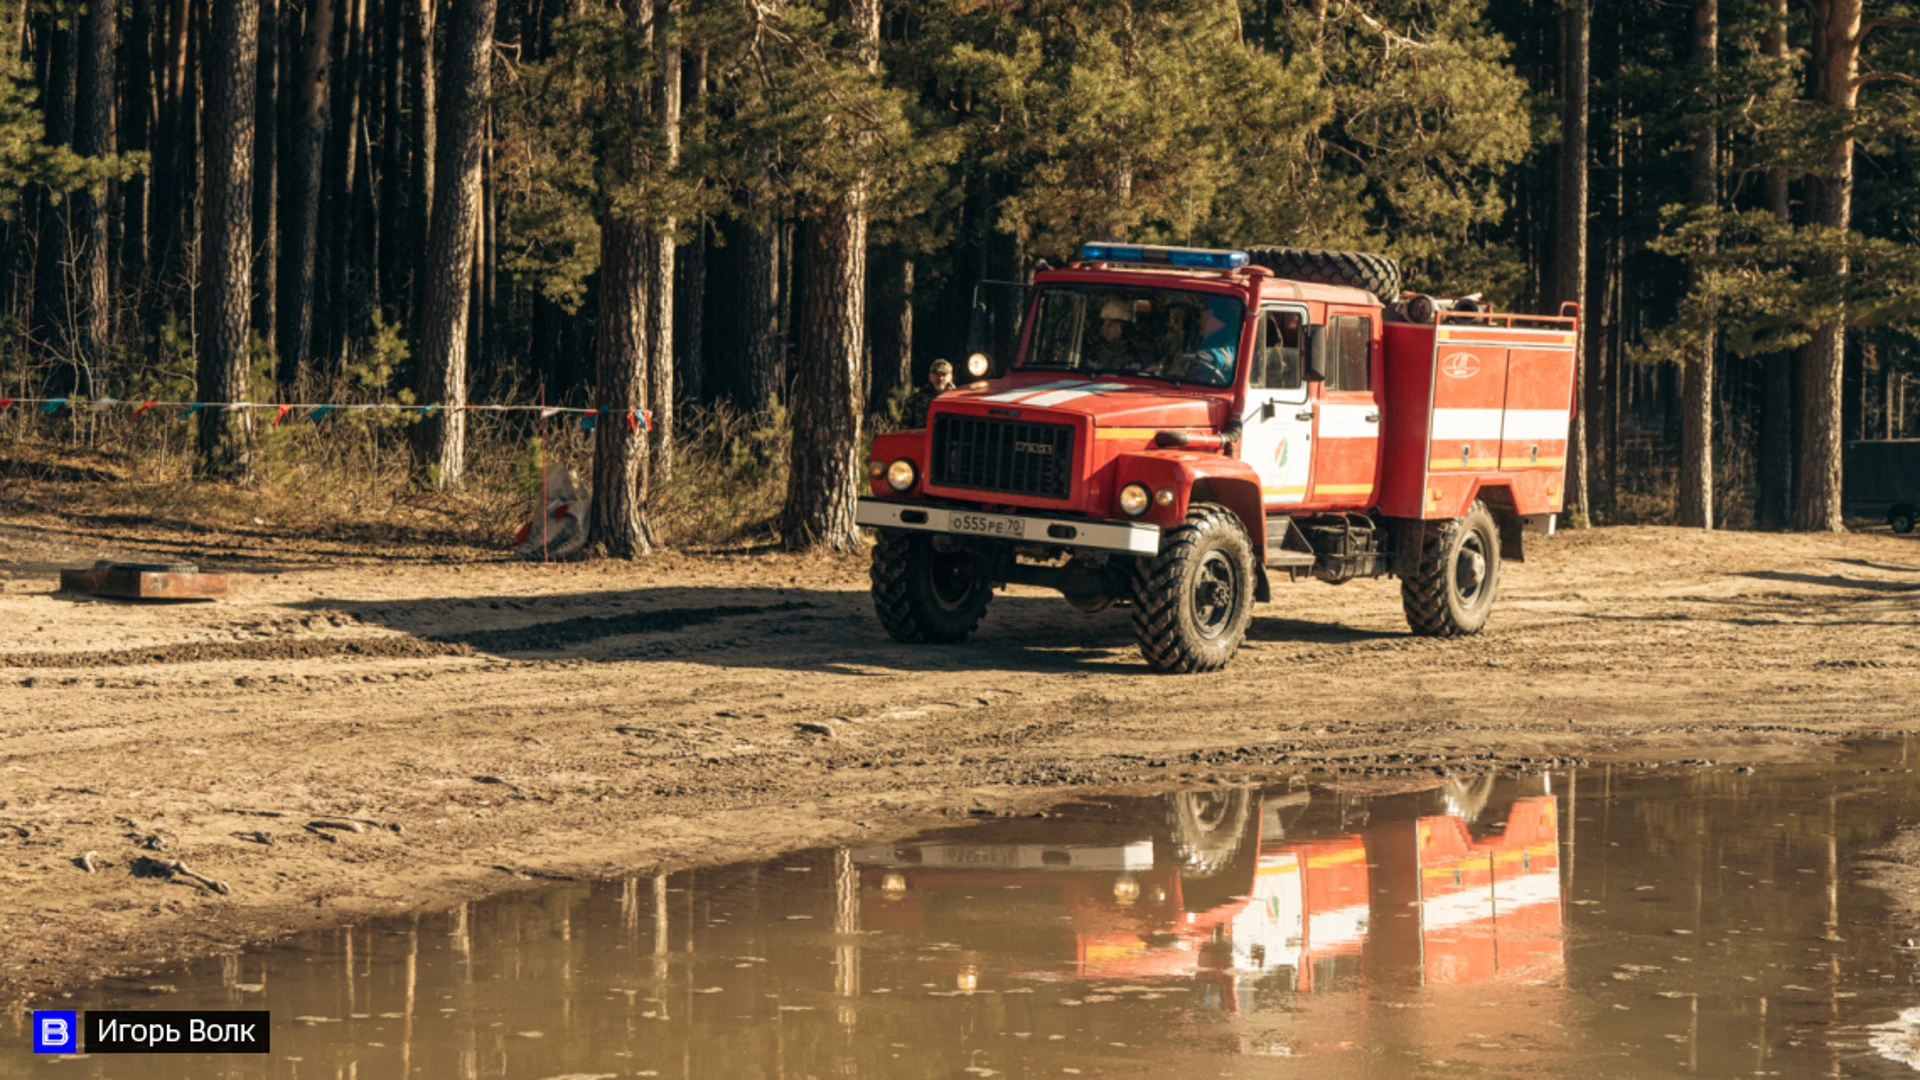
column 492, row 724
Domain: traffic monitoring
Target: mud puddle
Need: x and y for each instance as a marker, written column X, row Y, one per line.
column 1702, row 922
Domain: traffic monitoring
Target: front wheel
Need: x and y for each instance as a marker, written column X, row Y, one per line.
column 1451, row 594
column 1193, row 601
column 927, row 596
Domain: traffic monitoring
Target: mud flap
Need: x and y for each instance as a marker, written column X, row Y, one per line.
column 1408, row 536
column 1512, row 529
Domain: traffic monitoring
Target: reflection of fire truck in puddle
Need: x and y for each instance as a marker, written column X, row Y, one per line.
column 1312, row 894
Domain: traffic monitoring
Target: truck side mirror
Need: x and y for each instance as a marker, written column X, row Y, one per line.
column 1317, row 339
column 979, row 327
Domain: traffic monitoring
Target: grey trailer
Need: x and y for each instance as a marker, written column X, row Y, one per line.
column 1883, row 481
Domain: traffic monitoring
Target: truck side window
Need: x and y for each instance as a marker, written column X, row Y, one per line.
column 1278, row 365
column 1352, row 353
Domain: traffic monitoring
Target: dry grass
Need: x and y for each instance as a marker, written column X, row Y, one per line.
column 350, row 476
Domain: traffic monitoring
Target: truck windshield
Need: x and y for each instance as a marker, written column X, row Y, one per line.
column 1170, row 334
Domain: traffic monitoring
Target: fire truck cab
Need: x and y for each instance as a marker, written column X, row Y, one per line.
column 1180, row 426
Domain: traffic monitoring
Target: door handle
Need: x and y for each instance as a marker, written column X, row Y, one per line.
column 1308, row 415
column 1373, row 418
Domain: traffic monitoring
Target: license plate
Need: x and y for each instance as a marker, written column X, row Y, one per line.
column 986, row 525
column 962, row 855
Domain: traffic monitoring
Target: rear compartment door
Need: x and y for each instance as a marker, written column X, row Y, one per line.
column 1347, row 457
column 1277, row 427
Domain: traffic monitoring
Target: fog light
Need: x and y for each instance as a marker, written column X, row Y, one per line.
column 1126, row 891
column 901, row 475
column 967, row 980
column 1134, row 499
column 977, row 364
column 893, row 886
column 1164, row 496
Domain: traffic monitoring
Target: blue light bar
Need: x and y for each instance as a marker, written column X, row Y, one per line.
column 1188, row 258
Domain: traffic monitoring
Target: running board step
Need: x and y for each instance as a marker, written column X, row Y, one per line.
column 1280, row 529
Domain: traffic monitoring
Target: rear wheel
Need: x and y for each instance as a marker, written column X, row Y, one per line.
column 1901, row 518
column 1192, row 602
column 927, row 596
column 1451, row 594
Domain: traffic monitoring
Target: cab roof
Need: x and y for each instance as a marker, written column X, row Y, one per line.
column 1271, row 287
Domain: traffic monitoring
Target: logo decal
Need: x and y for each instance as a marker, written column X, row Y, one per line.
column 1460, row 365
column 1033, row 448
column 1280, row 455
column 56, row 1031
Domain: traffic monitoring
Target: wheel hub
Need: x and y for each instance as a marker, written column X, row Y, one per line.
column 1213, row 594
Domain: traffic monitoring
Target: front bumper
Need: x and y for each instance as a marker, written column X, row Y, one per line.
column 1118, row 536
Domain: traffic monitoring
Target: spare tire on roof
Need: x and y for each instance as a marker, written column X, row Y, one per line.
column 1376, row 274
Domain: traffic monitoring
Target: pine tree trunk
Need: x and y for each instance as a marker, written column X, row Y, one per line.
column 439, row 438
column 1570, row 232
column 1775, row 487
column 689, row 321
column 1817, row 501
column 305, row 191
column 266, row 175
column 620, row 481
column 52, row 322
column 341, row 240
column 1696, row 417
column 421, row 92
column 226, row 261
column 829, row 387
column 136, row 135
column 94, row 137
column 393, row 150
column 761, row 299
column 660, row 330
column 629, row 262
column 690, row 292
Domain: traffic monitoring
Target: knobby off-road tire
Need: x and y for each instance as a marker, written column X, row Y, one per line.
column 1193, row 601
column 924, row 596
column 1208, row 828
column 1377, row 274
column 1452, row 593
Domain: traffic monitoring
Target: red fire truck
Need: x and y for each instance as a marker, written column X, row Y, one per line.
column 1403, row 896
column 1179, row 426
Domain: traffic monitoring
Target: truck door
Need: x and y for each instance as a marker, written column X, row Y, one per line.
column 1347, row 457
column 1278, row 423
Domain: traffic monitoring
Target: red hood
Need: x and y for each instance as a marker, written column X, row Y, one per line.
column 1111, row 402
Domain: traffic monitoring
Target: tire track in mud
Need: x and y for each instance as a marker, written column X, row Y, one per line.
column 381, row 648
column 561, row 633
column 538, row 637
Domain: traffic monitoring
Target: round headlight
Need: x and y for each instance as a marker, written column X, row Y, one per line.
column 977, row 364
column 1125, row 890
column 900, row 475
column 1134, row 499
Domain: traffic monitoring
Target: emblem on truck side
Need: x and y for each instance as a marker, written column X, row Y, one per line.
column 1460, row 365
